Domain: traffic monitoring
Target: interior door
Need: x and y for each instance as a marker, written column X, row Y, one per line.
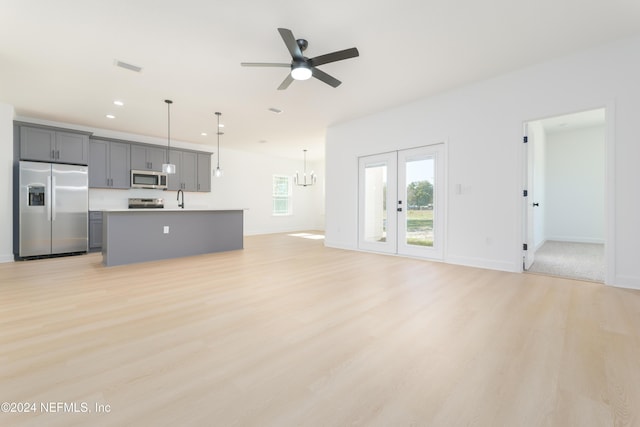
column 420, row 202
column 377, row 203
column 529, row 253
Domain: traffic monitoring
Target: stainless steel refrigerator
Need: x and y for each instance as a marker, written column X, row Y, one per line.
column 53, row 209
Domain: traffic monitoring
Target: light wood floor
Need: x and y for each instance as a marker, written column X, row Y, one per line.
column 289, row 333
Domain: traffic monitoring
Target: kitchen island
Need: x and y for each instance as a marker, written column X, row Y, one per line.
column 139, row 235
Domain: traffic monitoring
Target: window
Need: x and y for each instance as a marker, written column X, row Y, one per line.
column 281, row 195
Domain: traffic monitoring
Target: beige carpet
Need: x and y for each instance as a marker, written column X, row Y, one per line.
column 584, row 261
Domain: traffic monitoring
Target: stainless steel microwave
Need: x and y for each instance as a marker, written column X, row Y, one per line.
column 148, row 179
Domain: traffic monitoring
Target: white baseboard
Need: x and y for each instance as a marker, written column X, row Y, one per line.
column 338, row 245
column 574, row 239
column 484, row 263
column 466, row 261
column 628, row 282
column 256, row 232
column 6, row 258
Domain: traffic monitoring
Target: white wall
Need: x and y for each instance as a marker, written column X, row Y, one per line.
column 482, row 127
column 6, row 183
column 575, row 176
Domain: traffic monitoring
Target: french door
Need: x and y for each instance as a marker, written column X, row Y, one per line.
column 401, row 202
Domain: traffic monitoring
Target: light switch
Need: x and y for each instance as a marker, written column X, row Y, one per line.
column 166, row 229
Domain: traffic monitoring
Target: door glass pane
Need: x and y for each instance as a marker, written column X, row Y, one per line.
column 420, row 181
column 375, row 203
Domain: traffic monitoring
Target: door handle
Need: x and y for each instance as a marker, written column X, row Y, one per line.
column 399, row 209
column 48, row 198
column 53, row 198
column 536, row 204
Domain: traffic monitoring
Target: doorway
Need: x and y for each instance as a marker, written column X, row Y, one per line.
column 565, row 201
column 401, row 203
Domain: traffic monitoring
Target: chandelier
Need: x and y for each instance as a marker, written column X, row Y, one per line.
column 303, row 182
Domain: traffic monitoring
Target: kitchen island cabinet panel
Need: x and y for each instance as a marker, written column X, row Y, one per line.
column 139, row 235
column 95, row 231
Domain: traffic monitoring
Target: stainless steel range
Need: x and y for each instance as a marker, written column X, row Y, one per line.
column 146, row 203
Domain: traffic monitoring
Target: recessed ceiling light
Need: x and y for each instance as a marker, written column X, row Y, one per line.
column 110, row 116
column 203, row 134
column 275, row 110
column 118, row 103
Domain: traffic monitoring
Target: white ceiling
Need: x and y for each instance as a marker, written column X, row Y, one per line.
column 57, row 59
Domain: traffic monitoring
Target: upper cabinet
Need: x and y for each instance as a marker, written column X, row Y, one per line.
column 204, row 172
column 147, row 157
column 53, row 145
column 186, row 174
column 109, row 164
column 111, row 160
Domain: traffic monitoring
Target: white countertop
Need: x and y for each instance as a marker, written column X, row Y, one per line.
column 172, row 210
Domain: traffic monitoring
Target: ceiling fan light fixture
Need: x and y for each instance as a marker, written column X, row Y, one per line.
column 301, row 67
column 301, row 71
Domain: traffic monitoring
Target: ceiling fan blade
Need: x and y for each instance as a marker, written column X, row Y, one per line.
column 321, row 75
column 263, row 64
column 334, row 56
column 286, row 82
column 291, row 43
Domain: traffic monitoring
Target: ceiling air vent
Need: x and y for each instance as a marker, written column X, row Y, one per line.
column 127, row 66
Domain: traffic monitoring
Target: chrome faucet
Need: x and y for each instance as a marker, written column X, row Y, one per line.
column 180, row 205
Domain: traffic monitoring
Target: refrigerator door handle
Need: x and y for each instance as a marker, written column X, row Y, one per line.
column 48, row 198
column 53, row 198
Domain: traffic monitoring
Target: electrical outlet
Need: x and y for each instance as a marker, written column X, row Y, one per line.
column 166, row 229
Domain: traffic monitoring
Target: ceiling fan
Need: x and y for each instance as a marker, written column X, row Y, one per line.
column 303, row 68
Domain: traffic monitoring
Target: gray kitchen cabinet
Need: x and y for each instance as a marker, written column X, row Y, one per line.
column 53, row 145
column 95, row 231
column 204, row 172
column 147, row 157
column 109, row 164
column 189, row 171
column 186, row 174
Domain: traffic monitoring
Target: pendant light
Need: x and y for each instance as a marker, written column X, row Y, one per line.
column 218, row 172
column 312, row 176
column 168, row 168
